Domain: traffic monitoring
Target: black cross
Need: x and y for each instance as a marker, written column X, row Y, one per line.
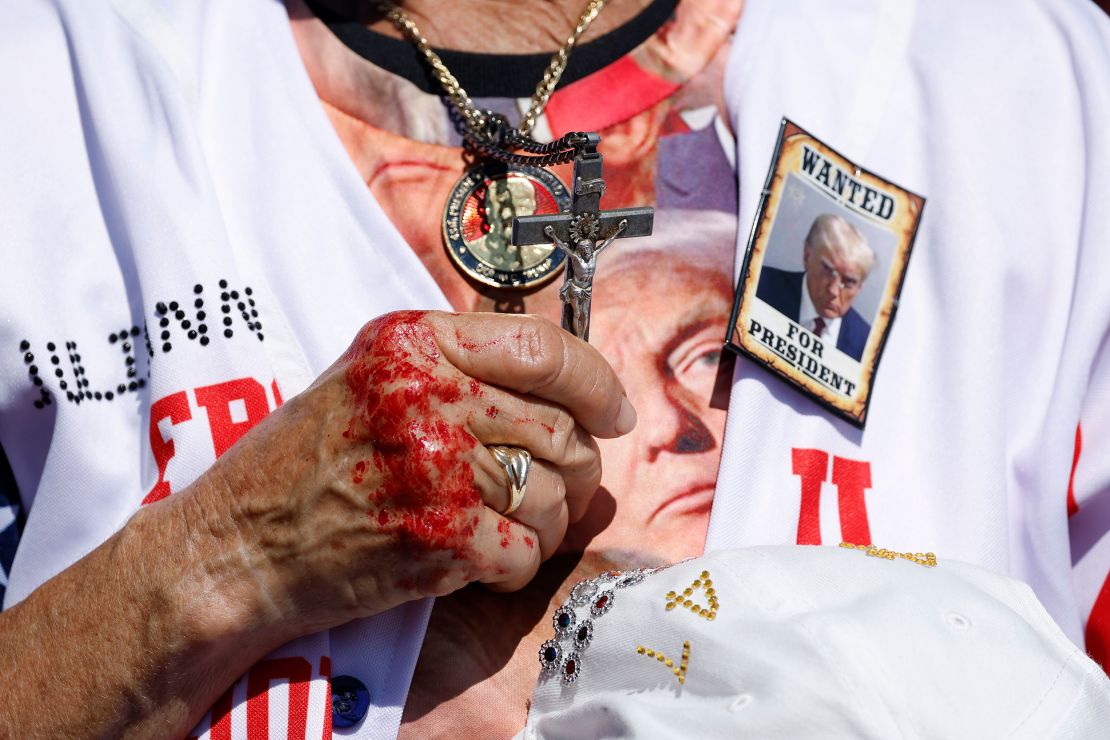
column 587, row 189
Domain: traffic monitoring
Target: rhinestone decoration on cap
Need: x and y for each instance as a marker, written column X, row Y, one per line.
column 602, row 604
column 583, row 593
column 683, row 599
column 572, row 666
column 551, row 655
column 574, row 630
column 563, row 620
column 678, row 670
column 584, row 634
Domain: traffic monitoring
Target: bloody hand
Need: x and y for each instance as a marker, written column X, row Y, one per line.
column 375, row 487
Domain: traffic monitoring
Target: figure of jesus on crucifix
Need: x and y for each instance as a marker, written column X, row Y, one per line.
column 576, row 234
column 582, row 254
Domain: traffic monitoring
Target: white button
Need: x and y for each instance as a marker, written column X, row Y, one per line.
column 957, row 621
column 740, row 702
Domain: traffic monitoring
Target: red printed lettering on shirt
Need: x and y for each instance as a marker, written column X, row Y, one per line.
column 298, row 672
column 217, row 400
column 325, row 671
column 852, row 479
column 233, row 407
column 811, row 466
column 221, row 716
column 174, row 407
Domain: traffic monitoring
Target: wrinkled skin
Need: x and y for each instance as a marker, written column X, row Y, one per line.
column 653, row 507
column 371, row 488
column 391, row 493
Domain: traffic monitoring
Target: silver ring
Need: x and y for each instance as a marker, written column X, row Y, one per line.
column 517, row 462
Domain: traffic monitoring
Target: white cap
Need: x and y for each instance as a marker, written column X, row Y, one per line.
column 816, row 642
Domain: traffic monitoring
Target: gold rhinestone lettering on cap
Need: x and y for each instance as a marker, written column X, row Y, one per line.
column 705, row 583
column 679, row 670
column 928, row 559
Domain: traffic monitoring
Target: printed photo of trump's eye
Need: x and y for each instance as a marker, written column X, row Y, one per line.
column 693, row 363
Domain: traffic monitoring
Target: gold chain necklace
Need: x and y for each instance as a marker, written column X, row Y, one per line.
column 477, row 120
column 504, row 184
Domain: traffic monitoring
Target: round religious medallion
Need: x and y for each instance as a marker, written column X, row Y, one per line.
column 478, row 224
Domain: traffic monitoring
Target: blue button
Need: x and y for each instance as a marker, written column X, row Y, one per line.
column 349, row 701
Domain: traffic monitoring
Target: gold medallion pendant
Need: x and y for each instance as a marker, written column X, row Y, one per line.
column 478, row 220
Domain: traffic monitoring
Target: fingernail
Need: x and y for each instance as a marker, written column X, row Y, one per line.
column 626, row 419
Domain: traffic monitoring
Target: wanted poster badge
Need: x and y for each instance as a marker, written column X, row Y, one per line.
column 823, row 271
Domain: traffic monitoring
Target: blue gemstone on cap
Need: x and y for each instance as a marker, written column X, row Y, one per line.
column 564, row 620
column 350, row 701
column 550, row 654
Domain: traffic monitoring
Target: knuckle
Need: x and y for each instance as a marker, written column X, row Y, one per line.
column 592, row 473
column 557, row 532
column 564, row 435
column 548, row 518
column 540, row 349
column 405, row 331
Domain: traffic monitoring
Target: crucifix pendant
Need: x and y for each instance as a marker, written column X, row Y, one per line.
column 582, row 234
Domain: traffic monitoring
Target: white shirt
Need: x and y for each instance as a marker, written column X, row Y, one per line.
column 155, row 146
